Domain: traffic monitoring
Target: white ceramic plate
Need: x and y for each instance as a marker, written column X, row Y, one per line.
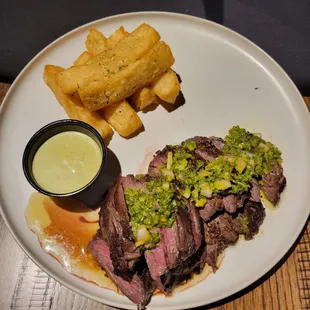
column 226, row 81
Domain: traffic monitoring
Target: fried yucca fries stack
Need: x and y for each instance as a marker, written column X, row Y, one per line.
column 114, row 77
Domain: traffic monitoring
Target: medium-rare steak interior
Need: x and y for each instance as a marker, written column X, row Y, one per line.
column 198, row 198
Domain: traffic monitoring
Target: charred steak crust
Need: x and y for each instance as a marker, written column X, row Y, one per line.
column 183, row 272
column 185, row 239
column 196, row 224
column 224, row 230
column 255, row 191
column 177, row 245
column 274, row 183
column 212, row 206
column 159, row 159
column 255, row 214
column 116, row 230
column 230, row 204
column 207, row 148
column 139, row 288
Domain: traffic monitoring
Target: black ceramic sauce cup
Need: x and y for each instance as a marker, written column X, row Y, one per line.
column 92, row 193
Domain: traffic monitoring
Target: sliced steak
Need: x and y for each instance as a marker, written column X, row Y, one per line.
column 219, row 234
column 169, row 239
column 212, row 206
column 116, row 230
column 177, row 244
column 211, row 254
column 185, row 239
column 274, row 183
column 229, row 203
column 255, row 191
column 159, row 159
column 217, row 142
column 131, row 182
column 207, row 148
column 183, row 271
column 139, row 289
column 157, row 263
column 224, row 230
column 250, row 219
column 196, row 224
column 164, row 256
column 233, row 202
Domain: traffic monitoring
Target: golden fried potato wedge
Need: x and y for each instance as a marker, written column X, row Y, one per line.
column 123, row 118
column 138, row 43
column 167, row 87
column 72, row 104
column 116, row 87
column 116, row 36
column 81, row 60
column 126, row 51
column 143, row 98
column 96, row 42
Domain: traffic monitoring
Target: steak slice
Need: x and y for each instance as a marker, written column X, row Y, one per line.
column 224, row 230
column 169, row 239
column 157, row 263
column 274, row 183
column 177, row 244
column 196, row 224
column 255, row 191
column 219, row 234
column 159, row 159
column 229, row 203
column 116, row 230
column 185, row 239
column 254, row 213
column 207, row 148
column 139, row 289
column 233, row 202
column 184, row 271
column 131, row 182
column 211, row 207
column 217, row 142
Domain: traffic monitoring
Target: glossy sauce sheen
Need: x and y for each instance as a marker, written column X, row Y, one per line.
column 66, row 162
column 64, row 229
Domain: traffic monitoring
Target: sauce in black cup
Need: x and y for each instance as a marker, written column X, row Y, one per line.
column 65, row 159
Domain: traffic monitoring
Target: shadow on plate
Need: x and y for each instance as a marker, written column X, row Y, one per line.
column 112, row 171
column 108, row 139
column 150, row 108
column 172, row 107
column 260, row 281
column 136, row 133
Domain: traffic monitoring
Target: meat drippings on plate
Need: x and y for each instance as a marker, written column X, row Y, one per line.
column 64, row 231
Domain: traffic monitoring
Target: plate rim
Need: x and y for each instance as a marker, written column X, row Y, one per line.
column 294, row 88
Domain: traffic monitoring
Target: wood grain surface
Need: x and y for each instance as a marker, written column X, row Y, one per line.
column 23, row 285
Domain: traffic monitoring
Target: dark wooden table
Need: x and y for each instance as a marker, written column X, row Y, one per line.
column 23, row 285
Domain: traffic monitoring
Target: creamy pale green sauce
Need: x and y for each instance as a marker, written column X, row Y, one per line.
column 66, row 162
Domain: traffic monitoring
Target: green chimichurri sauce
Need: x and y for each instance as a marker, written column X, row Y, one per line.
column 244, row 223
column 245, row 156
column 151, row 208
column 262, row 154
